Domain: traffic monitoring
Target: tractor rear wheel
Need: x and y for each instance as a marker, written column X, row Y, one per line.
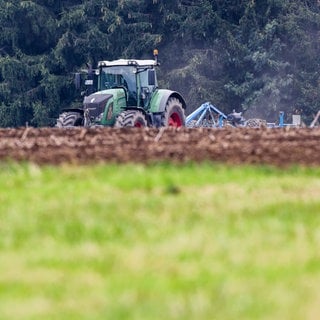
column 70, row 119
column 131, row 118
column 174, row 114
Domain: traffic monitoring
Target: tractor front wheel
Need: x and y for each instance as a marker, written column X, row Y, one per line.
column 131, row 118
column 70, row 119
column 174, row 114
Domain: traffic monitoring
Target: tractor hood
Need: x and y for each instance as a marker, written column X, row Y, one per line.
column 96, row 103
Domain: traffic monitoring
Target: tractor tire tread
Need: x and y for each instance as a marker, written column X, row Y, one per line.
column 130, row 118
column 69, row 119
column 174, row 105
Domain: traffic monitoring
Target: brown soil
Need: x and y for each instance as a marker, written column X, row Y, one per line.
column 279, row 147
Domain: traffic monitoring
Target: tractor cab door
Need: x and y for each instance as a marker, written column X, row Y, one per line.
column 148, row 84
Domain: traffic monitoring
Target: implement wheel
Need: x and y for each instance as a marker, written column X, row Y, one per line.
column 131, row 118
column 174, row 114
column 256, row 123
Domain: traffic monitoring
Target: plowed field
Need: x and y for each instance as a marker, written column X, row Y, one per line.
column 279, row 147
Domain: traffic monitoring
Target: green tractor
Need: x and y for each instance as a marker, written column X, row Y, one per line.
column 127, row 96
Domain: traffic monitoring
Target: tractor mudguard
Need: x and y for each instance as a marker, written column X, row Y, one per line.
column 160, row 98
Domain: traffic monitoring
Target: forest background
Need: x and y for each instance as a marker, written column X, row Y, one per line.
column 256, row 56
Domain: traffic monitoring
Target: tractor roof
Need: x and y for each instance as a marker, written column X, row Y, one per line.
column 129, row 62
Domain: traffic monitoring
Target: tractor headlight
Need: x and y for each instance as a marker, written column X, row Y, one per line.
column 99, row 117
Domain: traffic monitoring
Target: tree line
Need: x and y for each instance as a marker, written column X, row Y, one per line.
column 260, row 57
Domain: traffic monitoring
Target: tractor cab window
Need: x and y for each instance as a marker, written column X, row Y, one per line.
column 118, row 76
column 145, row 79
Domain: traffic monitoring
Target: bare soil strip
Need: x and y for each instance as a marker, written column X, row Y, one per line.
column 278, row 147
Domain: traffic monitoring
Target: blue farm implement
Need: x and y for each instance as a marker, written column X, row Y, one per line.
column 206, row 115
column 209, row 116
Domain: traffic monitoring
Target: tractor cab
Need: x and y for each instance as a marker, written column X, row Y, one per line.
column 136, row 77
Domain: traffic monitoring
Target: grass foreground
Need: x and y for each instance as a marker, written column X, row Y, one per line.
column 159, row 242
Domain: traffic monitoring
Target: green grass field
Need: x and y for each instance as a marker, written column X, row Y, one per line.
column 159, row 242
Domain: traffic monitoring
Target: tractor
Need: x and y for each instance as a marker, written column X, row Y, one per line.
column 127, row 95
